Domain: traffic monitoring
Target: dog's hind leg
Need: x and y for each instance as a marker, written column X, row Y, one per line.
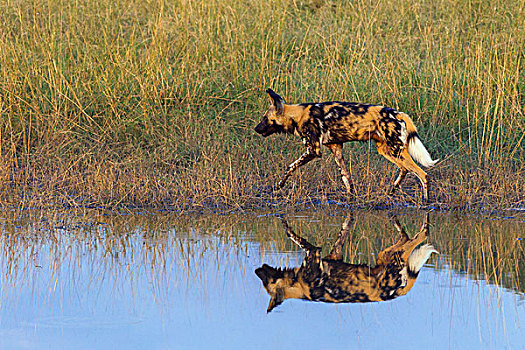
column 403, row 235
column 382, row 149
column 401, row 177
column 337, row 150
column 406, row 161
column 405, row 164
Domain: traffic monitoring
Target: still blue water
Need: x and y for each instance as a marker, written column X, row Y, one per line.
column 189, row 288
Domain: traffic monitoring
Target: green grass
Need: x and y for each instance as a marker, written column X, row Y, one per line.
column 153, row 103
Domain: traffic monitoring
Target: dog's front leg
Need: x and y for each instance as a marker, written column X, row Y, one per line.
column 337, row 249
column 337, row 150
column 302, row 160
column 300, row 241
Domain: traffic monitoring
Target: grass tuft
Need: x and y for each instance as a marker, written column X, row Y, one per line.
column 153, row 103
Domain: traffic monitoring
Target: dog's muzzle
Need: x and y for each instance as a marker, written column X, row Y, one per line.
column 261, row 128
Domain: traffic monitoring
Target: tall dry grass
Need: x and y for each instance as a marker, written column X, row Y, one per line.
column 153, row 103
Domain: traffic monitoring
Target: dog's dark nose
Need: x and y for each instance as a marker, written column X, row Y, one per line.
column 259, row 128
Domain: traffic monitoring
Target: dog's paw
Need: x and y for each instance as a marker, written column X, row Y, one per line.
column 279, row 185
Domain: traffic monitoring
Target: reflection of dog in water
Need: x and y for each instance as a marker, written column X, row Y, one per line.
column 332, row 280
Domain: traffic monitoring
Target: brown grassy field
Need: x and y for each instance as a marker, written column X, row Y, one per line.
column 153, row 103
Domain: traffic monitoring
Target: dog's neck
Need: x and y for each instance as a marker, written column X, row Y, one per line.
column 296, row 113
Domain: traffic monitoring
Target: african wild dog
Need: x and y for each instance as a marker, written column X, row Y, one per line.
column 334, row 281
column 334, row 123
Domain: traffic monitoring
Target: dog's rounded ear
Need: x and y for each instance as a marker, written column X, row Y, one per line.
column 262, row 274
column 276, row 100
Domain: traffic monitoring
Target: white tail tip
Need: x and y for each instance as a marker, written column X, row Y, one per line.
column 420, row 154
column 419, row 257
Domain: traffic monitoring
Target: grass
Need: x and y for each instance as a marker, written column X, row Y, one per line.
column 106, row 103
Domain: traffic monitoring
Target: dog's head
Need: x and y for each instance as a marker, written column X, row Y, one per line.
column 280, row 284
column 274, row 119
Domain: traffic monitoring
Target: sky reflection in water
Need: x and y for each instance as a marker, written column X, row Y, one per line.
column 192, row 285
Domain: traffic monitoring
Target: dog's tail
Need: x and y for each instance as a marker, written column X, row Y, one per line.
column 419, row 257
column 415, row 147
column 416, row 260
